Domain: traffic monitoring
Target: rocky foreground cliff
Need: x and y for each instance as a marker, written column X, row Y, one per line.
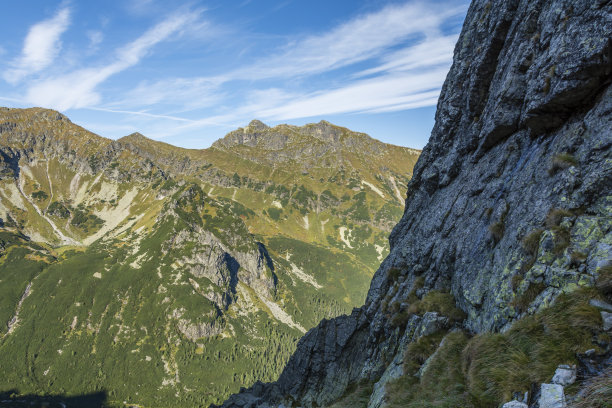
column 507, row 229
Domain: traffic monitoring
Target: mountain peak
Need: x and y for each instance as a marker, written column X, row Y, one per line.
column 34, row 114
column 133, row 137
column 257, row 125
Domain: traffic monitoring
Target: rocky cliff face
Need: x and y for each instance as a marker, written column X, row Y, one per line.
column 312, row 145
column 510, row 202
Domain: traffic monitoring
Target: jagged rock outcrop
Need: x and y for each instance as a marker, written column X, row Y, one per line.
column 306, row 145
column 510, row 197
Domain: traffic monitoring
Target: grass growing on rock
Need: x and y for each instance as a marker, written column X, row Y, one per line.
column 523, row 301
column 497, row 231
column 562, row 161
column 531, row 242
column 555, row 216
column 440, row 302
column 597, row 394
column 484, row 371
column 356, row 395
column 604, row 280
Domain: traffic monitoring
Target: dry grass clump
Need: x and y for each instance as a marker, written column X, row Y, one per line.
column 597, row 393
column 604, row 280
column 356, row 395
column 497, row 365
column 531, row 242
column 523, row 301
column 486, row 370
column 561, row 240
column 562, row 161
column 497, row 230
column 442, row 384
column 441, row 302
column 556, row 215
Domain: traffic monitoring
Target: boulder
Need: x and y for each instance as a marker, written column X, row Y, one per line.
column 606, row 317
column 552, row 396
column 515, row 404
column 564, row 375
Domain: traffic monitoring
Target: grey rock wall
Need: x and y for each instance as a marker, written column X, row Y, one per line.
column 521, row 148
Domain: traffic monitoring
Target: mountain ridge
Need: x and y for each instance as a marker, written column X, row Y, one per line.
column 174, row 260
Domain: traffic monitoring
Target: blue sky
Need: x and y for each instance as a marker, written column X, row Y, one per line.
column 188, row 72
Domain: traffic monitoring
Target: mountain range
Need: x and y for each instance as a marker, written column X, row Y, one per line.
column 163, row 276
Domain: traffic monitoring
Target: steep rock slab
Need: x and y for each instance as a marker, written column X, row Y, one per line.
column 512, row 191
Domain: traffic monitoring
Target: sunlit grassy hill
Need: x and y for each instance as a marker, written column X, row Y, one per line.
column 164, row 275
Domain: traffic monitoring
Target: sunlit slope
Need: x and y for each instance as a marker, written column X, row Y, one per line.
column 163, row 275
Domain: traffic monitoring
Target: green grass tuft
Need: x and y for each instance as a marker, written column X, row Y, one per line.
column 556, row 215
column 562, row 161
column 604, row 280
column 497, row 231
column 440, row 302
column 486, row 370
column 531, row 242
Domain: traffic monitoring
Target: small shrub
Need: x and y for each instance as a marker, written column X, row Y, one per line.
column 39, row 195
column 555, row 216
column 562, row 161
column 497, row 231
column 59, row 210
column 531, row 242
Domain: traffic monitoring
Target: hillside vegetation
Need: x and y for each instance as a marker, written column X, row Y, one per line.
column 164, row 276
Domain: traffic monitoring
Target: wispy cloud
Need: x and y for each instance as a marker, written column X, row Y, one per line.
column 140, row 113
column 362, row 38
column 182, row 93
column 95, row 39
column 77, row 89
column 387, row 93
column 41, row 47
column 409, row 77
column 431, row 51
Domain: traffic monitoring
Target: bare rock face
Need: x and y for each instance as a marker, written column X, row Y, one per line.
column 511, row 193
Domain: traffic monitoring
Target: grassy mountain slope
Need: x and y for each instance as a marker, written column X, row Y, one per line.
column 163, row 275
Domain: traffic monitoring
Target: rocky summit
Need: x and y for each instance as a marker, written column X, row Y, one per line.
column 161, row 276
column 500, row 270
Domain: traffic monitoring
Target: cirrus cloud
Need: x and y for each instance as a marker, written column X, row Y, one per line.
column 40, row 48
